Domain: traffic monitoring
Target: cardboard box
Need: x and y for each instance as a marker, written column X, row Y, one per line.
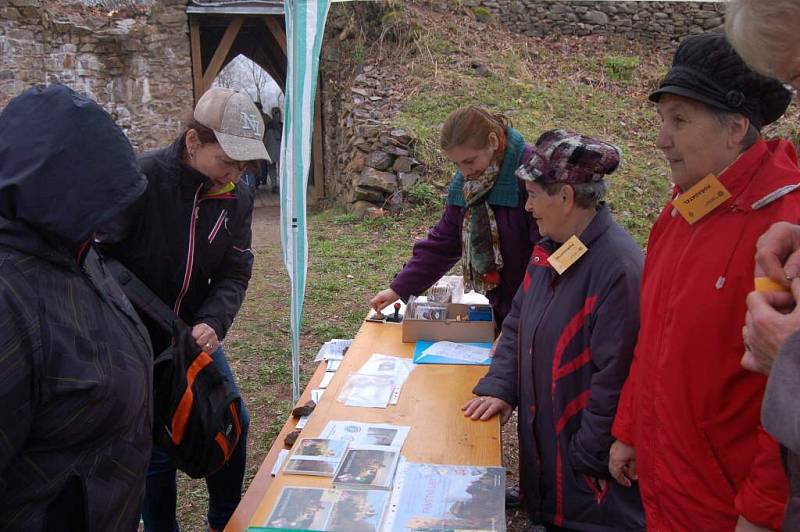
column 450, row 329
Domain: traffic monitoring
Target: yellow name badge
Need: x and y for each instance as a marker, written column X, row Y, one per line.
column 567, row 254
column 701, row 199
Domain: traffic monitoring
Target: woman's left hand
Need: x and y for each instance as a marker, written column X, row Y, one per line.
column 486, row 407
column 205, row 337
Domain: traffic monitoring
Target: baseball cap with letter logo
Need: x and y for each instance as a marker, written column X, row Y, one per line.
column 236, row 122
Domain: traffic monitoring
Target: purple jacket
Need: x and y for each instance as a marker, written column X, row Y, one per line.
column 565, row 352
column 441, row 250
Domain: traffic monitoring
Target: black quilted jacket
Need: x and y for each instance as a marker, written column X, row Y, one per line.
column 75, row 361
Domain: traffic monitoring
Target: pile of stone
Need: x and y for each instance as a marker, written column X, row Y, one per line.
column 376, row 163
column 382, row 169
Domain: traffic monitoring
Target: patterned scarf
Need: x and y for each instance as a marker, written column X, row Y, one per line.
column 480, row 239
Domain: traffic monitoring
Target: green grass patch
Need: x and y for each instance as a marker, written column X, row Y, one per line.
column 620, row 67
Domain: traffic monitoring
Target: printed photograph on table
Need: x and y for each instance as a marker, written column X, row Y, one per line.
column 327, row 510
column 316, row 456
column 302, row 508
column 321, row 447
column 359, row 511
column 447, row 497
column 366, row 433
column 303, row 466
column 368, row 468
column 380, row 436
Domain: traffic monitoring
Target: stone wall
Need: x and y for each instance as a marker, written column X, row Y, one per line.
column 132, row 56
column 369, row 163
column 648, row 21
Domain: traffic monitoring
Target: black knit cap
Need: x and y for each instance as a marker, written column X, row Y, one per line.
column 706, row 68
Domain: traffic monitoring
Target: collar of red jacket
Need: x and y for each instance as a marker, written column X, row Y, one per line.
column 761, row 170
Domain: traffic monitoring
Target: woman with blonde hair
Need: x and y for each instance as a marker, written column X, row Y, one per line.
column 484, row 221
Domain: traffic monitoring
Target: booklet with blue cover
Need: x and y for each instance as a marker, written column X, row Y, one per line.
column 444, row 352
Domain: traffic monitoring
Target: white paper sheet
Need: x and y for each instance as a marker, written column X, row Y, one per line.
column 279, row 460
column 326, row 379
column 316, row 394
column 456, row 351
column 369, row 391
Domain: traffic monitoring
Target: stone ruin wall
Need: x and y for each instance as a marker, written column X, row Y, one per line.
column 657, row 22
column 132, row 56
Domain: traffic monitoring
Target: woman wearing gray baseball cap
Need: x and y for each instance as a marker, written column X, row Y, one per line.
column 188, row 239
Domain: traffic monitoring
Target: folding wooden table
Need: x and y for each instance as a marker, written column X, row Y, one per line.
column 430, row 403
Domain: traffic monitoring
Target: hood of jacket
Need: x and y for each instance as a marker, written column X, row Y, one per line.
column 65, row 169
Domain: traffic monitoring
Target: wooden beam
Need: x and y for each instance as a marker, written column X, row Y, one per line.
column 319, row 167
column 267, row 63
column 197, row 59
column 222, row 50
column 277, row 31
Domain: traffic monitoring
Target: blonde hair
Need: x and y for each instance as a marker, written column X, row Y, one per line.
column 764, row 33
column 470, row 126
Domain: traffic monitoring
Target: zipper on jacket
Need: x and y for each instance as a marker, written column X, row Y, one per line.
column 187, row 274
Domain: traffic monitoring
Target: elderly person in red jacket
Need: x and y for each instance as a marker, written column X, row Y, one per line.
column 568, row 341
column 688, row 424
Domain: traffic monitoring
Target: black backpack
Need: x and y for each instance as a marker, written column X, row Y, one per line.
column 197, row 413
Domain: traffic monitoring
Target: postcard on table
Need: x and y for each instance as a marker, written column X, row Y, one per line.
column 447, row 497
column 333, row 350
column 328, row 510
column 366, row 433
column 471, row 353
column 367, row 467
column 316, row 456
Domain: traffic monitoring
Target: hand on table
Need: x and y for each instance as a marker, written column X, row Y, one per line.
column 205, row 337
column 622, row 463
column 486, row 407
column 383, row 299
column 771, row 318
column 778, row 252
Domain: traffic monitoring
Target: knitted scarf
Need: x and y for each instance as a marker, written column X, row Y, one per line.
column 480, row 239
